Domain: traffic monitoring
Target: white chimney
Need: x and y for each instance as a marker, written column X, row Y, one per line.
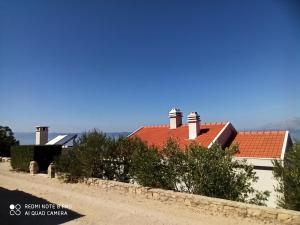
column 194, row 125
column 41, row 135
column 175, row 116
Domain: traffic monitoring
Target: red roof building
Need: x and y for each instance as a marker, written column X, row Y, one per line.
column 252, row 144
column 259, row 148
column 158, row 135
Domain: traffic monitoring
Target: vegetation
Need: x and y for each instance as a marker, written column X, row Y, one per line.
column 288, row 175
column 43, row 154
column 211, row 172
column 198, row 170
column 21, row 157
column 7, row 140
column 96, row 155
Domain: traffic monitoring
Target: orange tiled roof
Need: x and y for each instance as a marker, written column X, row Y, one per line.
column 158, row 135
column 261, row 144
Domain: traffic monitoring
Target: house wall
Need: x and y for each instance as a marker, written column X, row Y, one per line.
column 266, row 180
column 225, row 135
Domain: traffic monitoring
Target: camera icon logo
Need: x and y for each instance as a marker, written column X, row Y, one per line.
column 15, row 210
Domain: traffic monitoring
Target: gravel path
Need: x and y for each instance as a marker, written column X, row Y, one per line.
column 90, row 205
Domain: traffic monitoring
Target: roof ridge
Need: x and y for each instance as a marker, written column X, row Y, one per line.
column 185, row 124
column 262, row 132
column 215, row 123
column 153, row 126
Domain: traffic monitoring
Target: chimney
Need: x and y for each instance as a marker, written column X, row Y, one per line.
column 41, row 135
column 175, row 116
column 194, row 125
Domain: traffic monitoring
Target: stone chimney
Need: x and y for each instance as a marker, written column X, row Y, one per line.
column 175, row 116
column 194, row 125
column 41, row 135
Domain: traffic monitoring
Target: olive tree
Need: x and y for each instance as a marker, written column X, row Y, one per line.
column 7, row 140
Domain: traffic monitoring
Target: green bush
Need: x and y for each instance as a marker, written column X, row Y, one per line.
column 198, row 170
column 159, row 168
column 210, row 172
column 122, row 157
column 288, row 175
column 68, row 162
column 42, row 154
column 21, row 157
column 146, row 168
column 214, row 173
column 96, row 155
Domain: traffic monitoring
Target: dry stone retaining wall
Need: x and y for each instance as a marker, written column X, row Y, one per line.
column 213, row 206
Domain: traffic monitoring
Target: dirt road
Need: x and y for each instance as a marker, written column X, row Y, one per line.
column 90, row 205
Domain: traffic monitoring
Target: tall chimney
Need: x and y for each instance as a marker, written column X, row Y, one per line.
column 41, row 135
column 175, row 116
column 194, row 125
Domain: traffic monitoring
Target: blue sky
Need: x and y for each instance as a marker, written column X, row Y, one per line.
column 118, row 65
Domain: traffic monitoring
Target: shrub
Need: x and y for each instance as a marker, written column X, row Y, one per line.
column 211, row 172
column 198, row 170
column 288, row 175
column 146, row 167
column 173, row 166
column 96, row 155
column 21, row 157
column 93, row 151
column 214, row 173
column 42, row 154
column 68, row 162
column 91, row 156
column 123, row 153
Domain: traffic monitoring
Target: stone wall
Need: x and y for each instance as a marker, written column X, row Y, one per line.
column 200, row 203
column 4, row 159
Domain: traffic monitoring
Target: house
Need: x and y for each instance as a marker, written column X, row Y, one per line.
column 41, row 138
column 259, row 148
column 65, row 140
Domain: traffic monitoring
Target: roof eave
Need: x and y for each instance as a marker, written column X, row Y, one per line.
column 284, row 145
column 135, row 131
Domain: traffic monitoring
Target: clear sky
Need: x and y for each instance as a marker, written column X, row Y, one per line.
column 118, row 65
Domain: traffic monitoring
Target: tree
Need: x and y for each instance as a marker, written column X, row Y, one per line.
column 146, row 167
column 93, row 150
column 7, row 140
column 214, row 173
column 122, row 156
column 211, row 172
column 97, row 155
column 288, row 175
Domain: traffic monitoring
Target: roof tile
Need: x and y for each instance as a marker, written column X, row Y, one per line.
column 159, row 135
column 261, row 144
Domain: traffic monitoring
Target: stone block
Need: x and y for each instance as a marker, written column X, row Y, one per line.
column 268, row 215
column 163, row 198
column 33, row 167
column 252, row 212
column 51, row 170
column 283, row 217
column 187, row 202
column 155, row 195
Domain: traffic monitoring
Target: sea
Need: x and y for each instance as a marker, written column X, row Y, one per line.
column 28, row 138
